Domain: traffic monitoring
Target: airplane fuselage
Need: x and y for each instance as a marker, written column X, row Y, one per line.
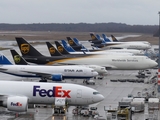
column 67, row 72
column 40, row 93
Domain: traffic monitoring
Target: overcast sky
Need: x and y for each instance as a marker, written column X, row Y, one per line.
column 132, row 12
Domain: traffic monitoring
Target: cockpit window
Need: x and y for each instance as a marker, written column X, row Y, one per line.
column 95, row 93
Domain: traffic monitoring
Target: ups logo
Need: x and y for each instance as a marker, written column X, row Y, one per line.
column 60, row 49
column 93, row 37
column 70, row 42
column 25, row 48
column 52, row 50
column 17, row 58
column 113, row 38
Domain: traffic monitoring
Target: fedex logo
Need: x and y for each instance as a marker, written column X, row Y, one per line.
column 56, row 91
column 16, row 104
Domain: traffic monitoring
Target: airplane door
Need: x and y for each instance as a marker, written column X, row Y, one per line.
column 79, row 93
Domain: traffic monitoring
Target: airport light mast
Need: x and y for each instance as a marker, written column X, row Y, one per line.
column 159, row 59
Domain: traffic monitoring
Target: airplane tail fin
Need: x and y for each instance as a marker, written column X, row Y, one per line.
column 26, row 48
column 61, row 49
column 52, row 50
column 114, row 39
column 77, row 41
column 79, row 44
column 98, row 36
column 17, row 58
column 4, row 60
column 106, row 38
column 67, row 46
column 71, row 42
column 93, row 37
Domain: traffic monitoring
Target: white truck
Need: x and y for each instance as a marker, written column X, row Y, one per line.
column 138, row 104
column 153, row 104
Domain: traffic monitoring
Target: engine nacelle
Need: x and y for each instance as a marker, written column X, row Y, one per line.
column 17, row 104
column 57, row 77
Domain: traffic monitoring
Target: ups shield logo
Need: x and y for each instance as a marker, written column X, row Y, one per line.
column 93, row 37
column 70, row 42
column 17, row 58
column 52, row 50
column 25, row 48
column 60, row 49
column 113, row 38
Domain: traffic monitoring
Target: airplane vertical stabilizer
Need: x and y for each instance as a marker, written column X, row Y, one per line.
column 52, row 50
column 67, row 46
column 61, row 49
column 105, row 38
column 114, row 39
column 4, row 60
column 18, row 59
column 26, row 48
column 71, row 42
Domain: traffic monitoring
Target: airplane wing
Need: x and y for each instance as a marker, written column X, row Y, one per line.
column 108, row 67
column 3, row 69
column 40, row 74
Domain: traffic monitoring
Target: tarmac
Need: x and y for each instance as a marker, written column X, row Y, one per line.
column 112, row 91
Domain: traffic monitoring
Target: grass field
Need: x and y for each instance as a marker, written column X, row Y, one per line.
column 51, row 35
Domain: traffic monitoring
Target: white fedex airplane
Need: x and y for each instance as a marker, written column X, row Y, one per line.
column 55, row 73
column 21, row 94
column 113, row 62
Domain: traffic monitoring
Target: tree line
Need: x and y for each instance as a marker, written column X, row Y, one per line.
column 82, row 27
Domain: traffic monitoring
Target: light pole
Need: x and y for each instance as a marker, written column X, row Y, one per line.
column 159, row 57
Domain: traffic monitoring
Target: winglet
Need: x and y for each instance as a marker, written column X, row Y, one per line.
column 17, row 58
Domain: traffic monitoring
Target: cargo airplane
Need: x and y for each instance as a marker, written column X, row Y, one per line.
column 128, row 45
column 108, row 51
column 19, row 95
column 118, row 62
column 76, row 42
column 54, row 73
column 21, row 61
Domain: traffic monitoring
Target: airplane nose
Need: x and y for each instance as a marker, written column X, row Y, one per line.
column 99, row 98
column 153, row 64
column 95, row 73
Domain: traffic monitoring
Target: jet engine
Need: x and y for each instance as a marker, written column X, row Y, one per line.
column 17, row 104
column 57, row 77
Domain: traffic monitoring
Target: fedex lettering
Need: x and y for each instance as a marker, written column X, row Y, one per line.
column 16, row 104
column 57, row 91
